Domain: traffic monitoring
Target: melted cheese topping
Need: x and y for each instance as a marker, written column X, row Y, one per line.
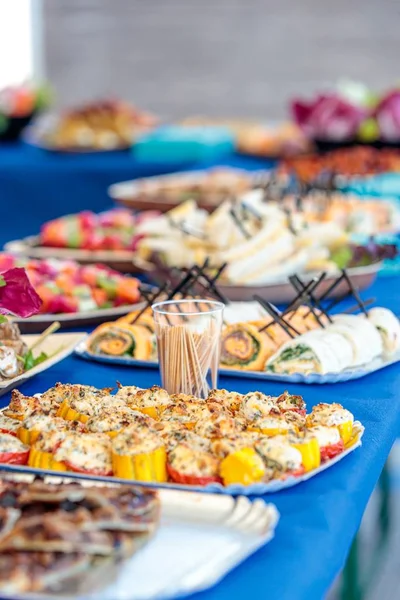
column 274, row 423
column 288, row 402
column 330, row 415
column 9, row 443
column 90, row 451
column 9, row 424
column 126, row 392
column 277, row 452
column 131, row 442
column 111, row 420
column 326, row 436
column 230, row 400
column 186, row 412
column 40, row 422
column 189, row 438
column 154, row 396
column 189, row 461
column 224, row 446
column 217, row 426
column 256, row 405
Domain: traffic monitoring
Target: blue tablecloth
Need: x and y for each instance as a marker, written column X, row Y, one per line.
column 37, row 185
column 318, row 518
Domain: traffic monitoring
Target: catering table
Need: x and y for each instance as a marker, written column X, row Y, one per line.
column 37, row 185
column 318, row 518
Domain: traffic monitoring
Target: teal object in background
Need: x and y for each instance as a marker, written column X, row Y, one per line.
column 386, row 184
column 391, row 266
column 174, row 144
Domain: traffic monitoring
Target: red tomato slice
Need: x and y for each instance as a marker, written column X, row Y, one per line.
column 329, row 452
column 297, row 473
column 191, row 479
column 299, row 411
column 14, row 458
column 4, row 430
column 97, row 472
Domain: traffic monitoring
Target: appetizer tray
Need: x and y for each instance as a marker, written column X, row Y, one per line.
column 165, row 192
column 255, row 489
column 254, row 448
column 120, row 260
column 280, row 291
column 199, row 539
column 57, row 346
column 375, row 365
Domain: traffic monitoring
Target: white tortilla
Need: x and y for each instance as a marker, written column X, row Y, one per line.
column 388, row 327
column 362, row 334
column 327, row 357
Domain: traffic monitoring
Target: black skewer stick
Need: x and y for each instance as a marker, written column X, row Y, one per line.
column 239, row 224
column 300, row 286
column 251, row 210
column 149, row 301
column 306, row 290
column 355, row 307
column 354, row 292
column 315, row 282
column 211, row 283
column 277, row 317
column 327, row 293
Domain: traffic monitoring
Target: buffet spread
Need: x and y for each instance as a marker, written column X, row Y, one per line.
column 77, row 461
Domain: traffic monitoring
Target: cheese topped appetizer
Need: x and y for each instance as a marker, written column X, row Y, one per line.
column 190, row 466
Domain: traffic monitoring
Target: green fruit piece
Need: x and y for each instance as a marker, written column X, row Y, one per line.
column 109, row 286
column 368, row 130
column 342, row 257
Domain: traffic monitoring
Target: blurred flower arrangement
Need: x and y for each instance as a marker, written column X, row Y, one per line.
column 351, row 112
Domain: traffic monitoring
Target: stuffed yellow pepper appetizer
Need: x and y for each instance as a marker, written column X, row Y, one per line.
column 139, row 454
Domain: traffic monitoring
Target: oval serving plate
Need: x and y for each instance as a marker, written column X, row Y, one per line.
column 348, row 374
column 278, row 292
column 255, row 489
column 119, row 260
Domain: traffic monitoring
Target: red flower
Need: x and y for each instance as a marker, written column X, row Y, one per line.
column 328, row 118
column 17, row 295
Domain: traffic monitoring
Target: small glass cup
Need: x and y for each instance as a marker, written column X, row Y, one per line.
column 188, row 343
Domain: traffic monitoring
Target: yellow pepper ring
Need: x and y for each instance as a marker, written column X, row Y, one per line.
column 147, row 466
column 244, row 466
column 270, row 431
column 44, row 460
column 346, row 431
column 310, row 453
column 27, row 436
column 69, row 414
column 13, row 415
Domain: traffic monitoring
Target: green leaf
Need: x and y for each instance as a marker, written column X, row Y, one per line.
column 342, row 257
column 3, row 319
column 30, row 361
column 2, row 281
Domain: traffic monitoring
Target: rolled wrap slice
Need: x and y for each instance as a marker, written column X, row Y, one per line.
column 308, row 353
column 362, row 335
column 121, row 339
column 244, row 347
column 388, row 326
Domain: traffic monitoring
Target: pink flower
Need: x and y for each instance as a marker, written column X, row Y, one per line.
column 17, row 295
column 387, row 115
column 329, row 117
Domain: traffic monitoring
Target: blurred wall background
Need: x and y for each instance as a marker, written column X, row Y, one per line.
column 216, row 57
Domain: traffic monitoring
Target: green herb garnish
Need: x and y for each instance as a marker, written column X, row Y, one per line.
column 30, row 361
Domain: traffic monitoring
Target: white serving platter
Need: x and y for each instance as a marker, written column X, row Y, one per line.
column 58, row 346
column 200, row 539
column 255, row 489
column 381, row 362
